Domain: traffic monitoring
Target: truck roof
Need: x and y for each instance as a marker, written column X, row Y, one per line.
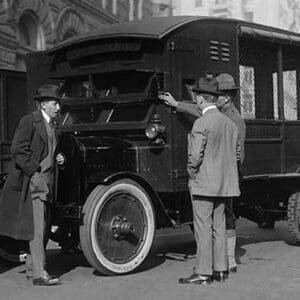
column 152, row 28
column 158, row 28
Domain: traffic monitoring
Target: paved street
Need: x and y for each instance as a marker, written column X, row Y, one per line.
column 269, row 268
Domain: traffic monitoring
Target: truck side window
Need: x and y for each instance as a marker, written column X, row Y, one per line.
column 289, row 94
column 258, row 62
column 186, row 87
column 247, row 92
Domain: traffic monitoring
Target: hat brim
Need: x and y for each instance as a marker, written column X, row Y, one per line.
column 205, row 91
column 46, row 98
column 233, row 88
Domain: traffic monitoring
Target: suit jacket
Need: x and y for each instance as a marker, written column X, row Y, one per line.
column 213, row 152
column 232, row 113
column 29, row 147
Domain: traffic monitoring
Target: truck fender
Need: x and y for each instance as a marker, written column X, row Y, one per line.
column 162, row 217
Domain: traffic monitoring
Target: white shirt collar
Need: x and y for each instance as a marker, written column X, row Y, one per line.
column 46, row 117
column 208, row 108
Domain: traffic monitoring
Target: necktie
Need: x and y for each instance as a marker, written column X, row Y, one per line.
column 52, row 123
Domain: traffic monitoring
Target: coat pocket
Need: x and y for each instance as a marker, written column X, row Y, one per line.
column 15, row 180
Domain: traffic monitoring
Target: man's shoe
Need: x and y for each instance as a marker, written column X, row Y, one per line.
column 196, row 279
column 220, row 275
column 233, row 270
column 46, row 281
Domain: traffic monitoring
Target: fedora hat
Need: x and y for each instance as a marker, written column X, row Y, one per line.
column 206, row 85
column 226, row 82
column 47, row 92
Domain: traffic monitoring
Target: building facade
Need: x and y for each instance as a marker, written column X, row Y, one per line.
column 162, row 8
column 278, row 13
column 31, row 25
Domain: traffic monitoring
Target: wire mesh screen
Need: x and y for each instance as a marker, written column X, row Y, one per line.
column 247, row 92
column 257, row 65
column 290, row 95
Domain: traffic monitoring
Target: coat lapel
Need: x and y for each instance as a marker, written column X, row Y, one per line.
column 40, row 125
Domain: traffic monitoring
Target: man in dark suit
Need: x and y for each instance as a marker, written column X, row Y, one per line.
column 228, row 90
column 213, row 152
column 28, row 189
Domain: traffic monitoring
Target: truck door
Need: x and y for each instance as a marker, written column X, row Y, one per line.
column 260, row 107
column 184, row 69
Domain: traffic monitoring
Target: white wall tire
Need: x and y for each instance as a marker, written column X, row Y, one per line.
column 118, row 227
column 293, row 214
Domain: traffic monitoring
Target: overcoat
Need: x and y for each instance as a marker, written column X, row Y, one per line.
column 29, row 147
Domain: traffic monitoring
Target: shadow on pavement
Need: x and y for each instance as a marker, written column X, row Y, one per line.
column 170, row 244
column 7, row 265
column 173, row 245
column 249, row 233
column 60, row 264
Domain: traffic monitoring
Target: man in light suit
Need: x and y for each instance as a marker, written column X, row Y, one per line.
column 228, row 90
column 29, row 187
column 213, row 153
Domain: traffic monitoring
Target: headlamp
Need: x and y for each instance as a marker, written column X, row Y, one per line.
column 155, row 131
column 151, row 131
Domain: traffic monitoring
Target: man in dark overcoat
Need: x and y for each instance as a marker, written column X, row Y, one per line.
column 28, row 189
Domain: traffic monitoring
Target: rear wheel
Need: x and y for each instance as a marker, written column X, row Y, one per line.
column 118, row 227
column 293, row 213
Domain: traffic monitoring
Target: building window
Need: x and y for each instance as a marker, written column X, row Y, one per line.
column 69, row 33
column 131, row 10
column 198, row 3
column 30, row 32
column 115, row 7
column 30, row 36
column 248, row 16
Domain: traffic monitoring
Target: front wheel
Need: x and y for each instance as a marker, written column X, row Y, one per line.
column 293, row 213
column 118, row 227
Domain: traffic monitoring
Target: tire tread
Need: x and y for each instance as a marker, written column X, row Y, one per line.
column 293, row 215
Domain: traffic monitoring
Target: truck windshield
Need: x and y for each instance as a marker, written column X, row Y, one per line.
column 99, row 114
column 106, row 84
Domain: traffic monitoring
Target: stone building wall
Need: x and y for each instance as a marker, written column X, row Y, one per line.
column 278, row 13
column 30, row 25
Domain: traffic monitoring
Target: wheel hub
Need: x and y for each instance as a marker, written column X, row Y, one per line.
column 120, row 227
